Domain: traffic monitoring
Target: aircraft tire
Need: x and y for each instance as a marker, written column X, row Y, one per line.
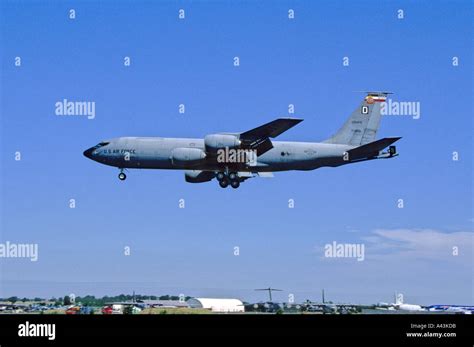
column 122, row 176
column 224, row 183
column 233, row 176
column 235, row 184
column 220, row 176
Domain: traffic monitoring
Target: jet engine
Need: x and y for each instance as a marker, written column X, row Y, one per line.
column 197, row 176
column 187, row 156
column 217, row 141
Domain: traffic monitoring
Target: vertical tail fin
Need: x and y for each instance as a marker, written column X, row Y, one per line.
column 361, row 127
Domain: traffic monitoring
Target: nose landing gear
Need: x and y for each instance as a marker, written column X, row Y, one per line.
column 122, row 176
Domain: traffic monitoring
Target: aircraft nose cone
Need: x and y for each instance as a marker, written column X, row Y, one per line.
column 88, row 152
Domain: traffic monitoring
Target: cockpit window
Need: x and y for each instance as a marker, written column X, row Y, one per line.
column 102, row 144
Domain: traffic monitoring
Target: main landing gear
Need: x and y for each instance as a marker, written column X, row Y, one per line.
column 231, row 178
column 122, row 175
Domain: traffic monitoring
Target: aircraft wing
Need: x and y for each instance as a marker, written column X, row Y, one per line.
column 272, row 129
column 259, row 138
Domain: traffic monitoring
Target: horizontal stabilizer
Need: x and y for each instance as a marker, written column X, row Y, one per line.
column 371, row 149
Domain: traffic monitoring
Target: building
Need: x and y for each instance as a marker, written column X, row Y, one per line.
column 217, row 305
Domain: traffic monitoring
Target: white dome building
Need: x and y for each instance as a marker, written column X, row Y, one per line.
column 217, row 305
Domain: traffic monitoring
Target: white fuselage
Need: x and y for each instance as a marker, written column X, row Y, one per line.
column 157, row 153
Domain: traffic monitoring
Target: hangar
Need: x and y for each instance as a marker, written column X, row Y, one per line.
column 217, row 305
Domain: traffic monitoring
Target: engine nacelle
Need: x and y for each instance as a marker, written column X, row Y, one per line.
column 197, row 176
column 187, row 156
column 216, row 141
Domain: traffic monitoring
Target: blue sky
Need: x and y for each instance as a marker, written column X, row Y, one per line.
column 282, row 62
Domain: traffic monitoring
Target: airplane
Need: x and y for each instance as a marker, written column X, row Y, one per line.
column 400, row 305
column 269, row 290
column 232, row 158
column 329, row 307
column 267, row 306
column 451, row 308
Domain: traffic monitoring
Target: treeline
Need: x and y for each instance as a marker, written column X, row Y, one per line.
column 90, row 300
